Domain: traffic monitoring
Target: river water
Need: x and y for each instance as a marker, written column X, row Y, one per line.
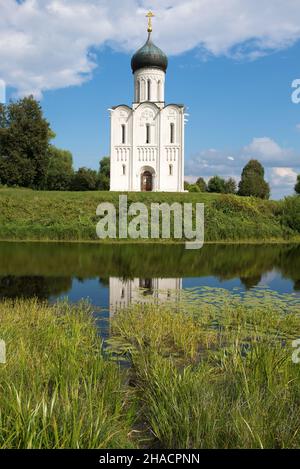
column 111, row 276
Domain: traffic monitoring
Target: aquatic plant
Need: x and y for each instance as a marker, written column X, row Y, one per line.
column 56, row 389
column 215, row 369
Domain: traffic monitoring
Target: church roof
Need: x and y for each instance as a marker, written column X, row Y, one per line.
column 149, row 56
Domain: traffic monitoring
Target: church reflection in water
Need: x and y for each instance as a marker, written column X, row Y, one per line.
column 124, row 292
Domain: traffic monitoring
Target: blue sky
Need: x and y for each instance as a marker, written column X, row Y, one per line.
column 234, row 75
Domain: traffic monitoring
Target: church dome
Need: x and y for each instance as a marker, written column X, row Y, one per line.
column 149, row 56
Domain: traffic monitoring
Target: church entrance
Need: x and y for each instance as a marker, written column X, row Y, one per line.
column 146, row 182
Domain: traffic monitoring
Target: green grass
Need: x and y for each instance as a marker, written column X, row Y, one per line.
column 215, row 371
column 71, row 216
column 56, row 389
column 212, row 370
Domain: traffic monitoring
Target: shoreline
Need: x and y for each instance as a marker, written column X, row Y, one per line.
column 149, row 242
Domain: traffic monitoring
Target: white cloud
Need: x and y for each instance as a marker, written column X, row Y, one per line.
column 266, row 149
column 2, row 92
column 283, row 176
column 191, row 179
column 47, row 44
column 282, row 181
column 270, row 153
column 208, row 163
column 282, row 165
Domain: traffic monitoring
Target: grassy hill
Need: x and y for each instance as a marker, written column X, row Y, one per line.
column 71, row 216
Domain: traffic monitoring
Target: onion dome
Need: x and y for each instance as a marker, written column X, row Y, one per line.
column 149, row 55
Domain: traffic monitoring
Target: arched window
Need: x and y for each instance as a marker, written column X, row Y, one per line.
column 148, row 133
column 124, row 169
column 159, row 91
column 138, row 91
column 143, row 90
column 123, row 127
column 170, row 170
column 149, row 90
column 172, row 132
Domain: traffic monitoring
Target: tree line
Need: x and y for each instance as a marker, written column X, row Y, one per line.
column 252, row 183
column 28, row 159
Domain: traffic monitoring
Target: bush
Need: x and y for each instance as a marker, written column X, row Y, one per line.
column 230, row 204
column 291, row 212
column 194, row 188
column 84, row 180
column 216, row 184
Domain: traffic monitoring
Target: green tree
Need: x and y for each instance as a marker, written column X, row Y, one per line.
column 84, row 180
column 216, row 184
column 60, row 170
column 24, row 143
column 230, row 186
column 104, row 174
column 202, row 184
column 297, row 186
column 186, row 185
column 252, row 182
column 194, row 188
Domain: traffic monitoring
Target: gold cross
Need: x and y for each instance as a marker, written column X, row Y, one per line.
column 150, row 15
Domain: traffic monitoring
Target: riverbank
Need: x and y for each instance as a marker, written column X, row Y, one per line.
column 208, row 371
column 27, row 215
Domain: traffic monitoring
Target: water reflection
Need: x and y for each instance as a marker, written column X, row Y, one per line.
column 124, row 292
column 13, row 286
column 111, row 275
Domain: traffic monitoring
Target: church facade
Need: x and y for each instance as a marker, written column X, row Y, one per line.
column 147, row 139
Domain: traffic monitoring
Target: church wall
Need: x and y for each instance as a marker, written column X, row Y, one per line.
column 145, row 155
column 162, row 155
column 121, row 148
column 171, row 179
column 157, row 85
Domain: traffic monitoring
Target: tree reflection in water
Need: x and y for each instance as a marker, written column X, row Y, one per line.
column 48, row 270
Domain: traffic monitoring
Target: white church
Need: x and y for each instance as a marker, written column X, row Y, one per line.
column 147, row 139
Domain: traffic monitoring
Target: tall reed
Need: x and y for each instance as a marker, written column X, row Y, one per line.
column 215, row 370
column 56, row 390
